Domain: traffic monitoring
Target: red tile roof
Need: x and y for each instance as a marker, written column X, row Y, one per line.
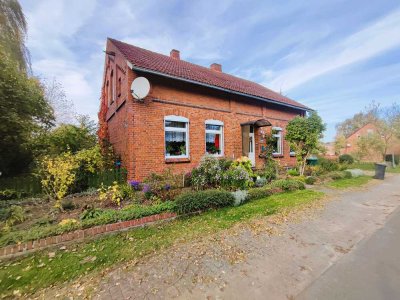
column 152, row 61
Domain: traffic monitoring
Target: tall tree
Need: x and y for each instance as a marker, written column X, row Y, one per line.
column 24, row 112
column 387, row 126
column 13, row 30
column 303, row 134
column 64, row 110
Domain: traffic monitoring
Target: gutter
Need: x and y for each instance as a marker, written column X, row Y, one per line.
column 133, row 67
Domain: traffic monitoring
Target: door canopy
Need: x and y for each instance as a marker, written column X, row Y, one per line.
column 257, row 123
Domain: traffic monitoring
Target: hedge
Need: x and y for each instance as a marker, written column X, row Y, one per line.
column 259, row 193
column 203, row 200
column 288, row 184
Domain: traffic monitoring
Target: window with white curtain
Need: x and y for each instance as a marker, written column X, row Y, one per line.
column 214, row 137
column 176, row 137
column 278, row 147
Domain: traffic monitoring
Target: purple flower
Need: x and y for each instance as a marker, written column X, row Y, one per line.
column 135, row 184
column 146, row 188
column 167, row 187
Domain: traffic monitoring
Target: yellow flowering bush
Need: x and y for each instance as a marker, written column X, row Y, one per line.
column 58, row 175
column 112, row 193
column 90, row 160
column 68, row 222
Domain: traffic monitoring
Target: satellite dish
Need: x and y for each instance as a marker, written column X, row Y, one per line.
column 140, row 88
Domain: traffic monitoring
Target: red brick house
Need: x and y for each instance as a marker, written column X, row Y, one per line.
column 351, row 147
column 190, row 111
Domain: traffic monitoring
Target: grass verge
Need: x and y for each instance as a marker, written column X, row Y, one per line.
column 371, row 167
column 349, row 182
column 29, row 274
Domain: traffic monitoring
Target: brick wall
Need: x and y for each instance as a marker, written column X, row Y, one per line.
column 136, row 129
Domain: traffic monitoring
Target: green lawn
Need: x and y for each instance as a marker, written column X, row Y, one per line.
column 349, row 182
column 38, row 270
column 371, row 167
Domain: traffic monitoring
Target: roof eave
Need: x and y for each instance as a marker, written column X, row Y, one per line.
column 135, row 68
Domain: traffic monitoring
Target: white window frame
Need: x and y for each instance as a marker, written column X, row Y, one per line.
column 173, row 118
column 220, row 132
column 279, row 141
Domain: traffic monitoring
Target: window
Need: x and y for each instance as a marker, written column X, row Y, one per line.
column 111, row 91
column 119, row 87
column 292, row 152
column 176, row 137
column 277, row 134
column 107, row 92
column 214, row 137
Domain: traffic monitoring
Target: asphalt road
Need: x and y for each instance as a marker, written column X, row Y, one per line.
column 370, row 271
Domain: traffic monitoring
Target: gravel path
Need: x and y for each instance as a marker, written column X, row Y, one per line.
column 269, row 258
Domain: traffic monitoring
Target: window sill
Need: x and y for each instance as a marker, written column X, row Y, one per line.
column 277, row 155
column 177, row 160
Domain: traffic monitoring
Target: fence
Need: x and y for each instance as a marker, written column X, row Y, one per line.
column 31, row 185
column 107, row 178
column 27, row 184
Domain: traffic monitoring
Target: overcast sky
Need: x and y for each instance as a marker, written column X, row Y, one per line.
column 334, row 56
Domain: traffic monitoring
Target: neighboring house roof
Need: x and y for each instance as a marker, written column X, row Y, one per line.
column 145, row 60
column 358, row 129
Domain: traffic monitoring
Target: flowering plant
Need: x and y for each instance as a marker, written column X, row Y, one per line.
column 147, row 191
column 209, row 173
column 237, row 178
column 135, row 185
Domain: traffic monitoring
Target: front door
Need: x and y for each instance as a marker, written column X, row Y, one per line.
column 248, row 143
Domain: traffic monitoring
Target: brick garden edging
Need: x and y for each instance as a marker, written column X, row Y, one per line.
column 78, row 235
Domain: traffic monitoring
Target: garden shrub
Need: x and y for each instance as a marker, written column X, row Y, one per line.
column 208, row 174
column 69, row 225
column 90, row 161
column 293, row 172
column 346, row 159
column 337, row 175
column 164, row 187
column 260, row 192
column 225, row 163
column 236, row 178
column 270, row 169
column 135, row 185
column 16, row 215
column 288, row 184
column 129, row 212
column 202, row 200
column 240, row 197
column 347, row 174
column 310, row 180
column 328, row 165
column 58, row 175
column 260, row 181
column 90, row 213
column 67, row 204
column 127, row 192
column 245, row 163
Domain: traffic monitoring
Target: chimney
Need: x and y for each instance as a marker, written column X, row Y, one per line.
column 216, row 67
column 174, row 54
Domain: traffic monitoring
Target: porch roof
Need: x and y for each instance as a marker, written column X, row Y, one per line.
column 257, row 123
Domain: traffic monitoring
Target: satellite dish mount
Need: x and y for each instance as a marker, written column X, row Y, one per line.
column 140, row 88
